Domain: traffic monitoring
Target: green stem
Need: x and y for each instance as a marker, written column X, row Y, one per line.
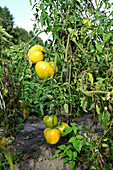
column 7, row 154
column 55, row 62
column 73, row 39
column 67, row 47
column 93, row 92
column 69, row 86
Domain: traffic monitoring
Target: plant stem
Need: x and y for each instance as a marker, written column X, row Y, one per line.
column 93, row 92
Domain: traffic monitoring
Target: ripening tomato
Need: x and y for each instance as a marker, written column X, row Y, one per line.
column 43, row 69
column 50, row 121
column 52, row 136
column 61, row 126
column 36, row 48
column 36, row 56
column 3, row 141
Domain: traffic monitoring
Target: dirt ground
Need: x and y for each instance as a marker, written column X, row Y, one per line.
column 36, row 152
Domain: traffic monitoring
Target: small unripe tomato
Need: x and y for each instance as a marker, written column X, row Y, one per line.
column 52, row 136
column 3, row 141
column 50, row 121
column 61, row 126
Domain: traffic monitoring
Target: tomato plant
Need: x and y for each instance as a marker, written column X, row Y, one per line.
column 82, row 47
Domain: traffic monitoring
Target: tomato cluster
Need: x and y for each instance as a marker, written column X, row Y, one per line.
column 43, row 69
column 54, row 129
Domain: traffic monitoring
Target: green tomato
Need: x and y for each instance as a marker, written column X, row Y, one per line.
column 50, row 121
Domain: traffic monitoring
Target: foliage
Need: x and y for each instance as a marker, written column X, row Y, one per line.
column 83, row 53
column 7, row 154
column 73, row 146
column 83, row 84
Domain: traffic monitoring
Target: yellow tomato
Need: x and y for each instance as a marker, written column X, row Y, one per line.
column 86, row 21
column 36, row 48
column 36, row 56
column 52, row 136
column 52, row 64
column 50, row 121
column 43, row 69
column 3, row 141
column 62, row 126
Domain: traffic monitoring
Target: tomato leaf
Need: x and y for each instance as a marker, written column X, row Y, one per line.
column 105, row 145
column 75, row 130
column 69, row 153
column 98, row 46
column 66, row 107
column 72, row 164
column 106, row 37
column 65, row 160
column 74, row 154
column 72, row 139
column 76, row 145
column 79, row 137
column 66, row 131
column 62, row 147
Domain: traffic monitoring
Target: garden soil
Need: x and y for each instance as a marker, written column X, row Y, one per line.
column 36, row 153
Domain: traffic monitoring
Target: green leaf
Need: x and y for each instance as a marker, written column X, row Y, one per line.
column 84, row 103
column 66, row 107
column 69, row 153
column 75, row 130
column 72, row 139
column 105, row 145
column 72, row 164
column 65, row 160
column 82, row 30
column 54, row 156
column 76, row 145
column 106, row 37
column 66, row 131
column 74, row 154
column 73, row 124
column 79, row 137
column 98, row 46
column 62, row 147
column 67, row 148
column 105, row 119
column 100, row 30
